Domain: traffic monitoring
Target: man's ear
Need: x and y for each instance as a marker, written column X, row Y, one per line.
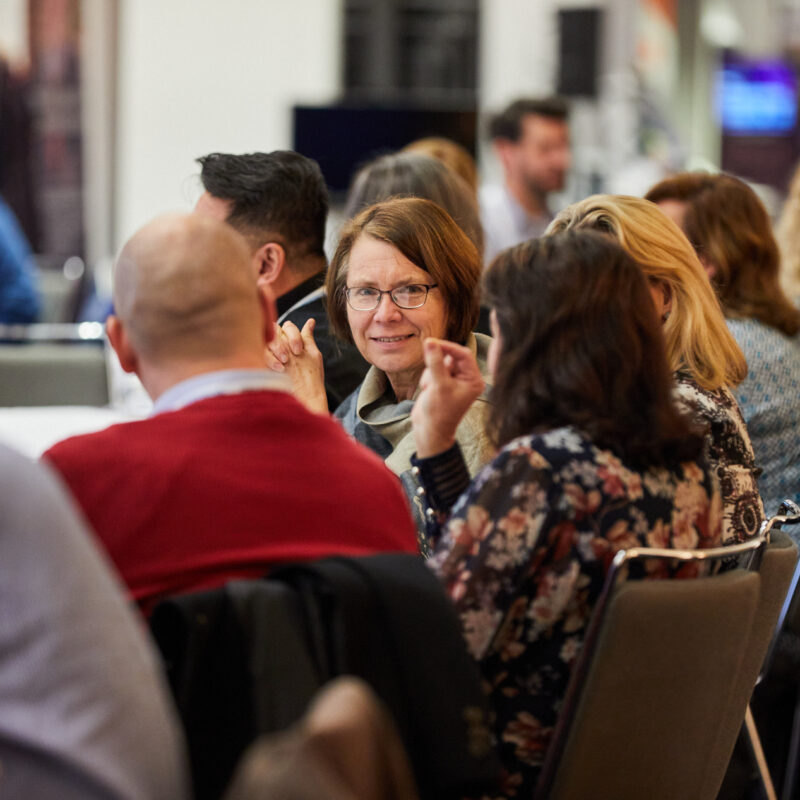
column 270, row 260
column 118, row 338
column 269, row 312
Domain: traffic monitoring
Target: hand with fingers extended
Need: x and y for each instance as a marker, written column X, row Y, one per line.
column 295, row 352
column 449, row 385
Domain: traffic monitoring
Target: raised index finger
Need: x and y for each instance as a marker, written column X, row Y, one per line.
column 293, row 337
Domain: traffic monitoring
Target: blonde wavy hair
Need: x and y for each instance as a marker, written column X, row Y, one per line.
column 698, row 340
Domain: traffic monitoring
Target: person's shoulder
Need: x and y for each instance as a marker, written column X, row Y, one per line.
column 694, row 399
column 491, row 197
column 57, row 585
column 547, row 451
column 483, row 342
column 107, row 452
column 713, row 403
column 311, row 306
column 16, row 470
column 123, row 427
column 345, row 412
column 760, row 341
column 86, row 443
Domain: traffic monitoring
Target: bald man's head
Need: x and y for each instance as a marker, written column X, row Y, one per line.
column 184, row 291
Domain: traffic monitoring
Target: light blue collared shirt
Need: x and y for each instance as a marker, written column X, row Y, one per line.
column 211, row 384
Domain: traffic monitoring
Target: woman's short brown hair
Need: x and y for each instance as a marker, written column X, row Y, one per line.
column 729, row 228
column 427, row 236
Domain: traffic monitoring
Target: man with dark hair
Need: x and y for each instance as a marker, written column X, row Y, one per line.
column 531, row 139
column 279, row 202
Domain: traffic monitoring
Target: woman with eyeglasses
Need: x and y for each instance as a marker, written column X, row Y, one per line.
column 403, row 272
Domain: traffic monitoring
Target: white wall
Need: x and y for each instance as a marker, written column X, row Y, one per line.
column 14, row 31
column 197, row 76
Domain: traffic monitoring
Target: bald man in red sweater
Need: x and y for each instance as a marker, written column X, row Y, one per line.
column 230, row 474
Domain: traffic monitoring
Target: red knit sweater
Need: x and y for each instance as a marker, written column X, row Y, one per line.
column 226, row 487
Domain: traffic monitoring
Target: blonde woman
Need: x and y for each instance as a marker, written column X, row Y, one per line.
column 703, row 354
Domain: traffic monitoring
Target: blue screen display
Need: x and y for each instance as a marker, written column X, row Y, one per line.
column 756, row 98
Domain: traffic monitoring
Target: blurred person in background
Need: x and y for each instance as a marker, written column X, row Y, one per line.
column 731, row 232
column 19, row 301
column 593, row 457
column 416, row 174
column 531, row 140
column 706, row 360
column 279, row 202
column 451, row 154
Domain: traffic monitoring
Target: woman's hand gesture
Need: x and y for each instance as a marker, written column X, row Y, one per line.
column 296, row 353
column 449, row 385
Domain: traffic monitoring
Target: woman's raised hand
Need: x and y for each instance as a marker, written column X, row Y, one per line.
column 449, row 385
column 295, row 352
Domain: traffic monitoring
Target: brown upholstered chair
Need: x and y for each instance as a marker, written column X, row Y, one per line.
column 661, row 687
column 779, row 613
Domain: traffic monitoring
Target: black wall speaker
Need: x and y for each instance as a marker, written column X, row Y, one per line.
column 579, row 31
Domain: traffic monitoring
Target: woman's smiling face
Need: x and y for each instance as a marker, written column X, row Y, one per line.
column 390, row 337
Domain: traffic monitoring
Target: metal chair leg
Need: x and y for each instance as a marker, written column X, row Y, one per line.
column 790, row 776
column 754, row 740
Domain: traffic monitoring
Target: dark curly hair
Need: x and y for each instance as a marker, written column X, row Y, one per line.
column 581, row 345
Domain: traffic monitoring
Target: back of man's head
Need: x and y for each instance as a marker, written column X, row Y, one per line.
column 184, row 292
column 508, row 123
column 280, row 194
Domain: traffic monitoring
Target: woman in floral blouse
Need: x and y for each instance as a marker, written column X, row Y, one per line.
column 593, row 457
column 703, row 353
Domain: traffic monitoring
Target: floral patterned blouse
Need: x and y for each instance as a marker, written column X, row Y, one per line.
column 524, row 554
column 729, row 453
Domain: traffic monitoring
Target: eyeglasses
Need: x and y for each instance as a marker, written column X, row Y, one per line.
column 367, row 298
